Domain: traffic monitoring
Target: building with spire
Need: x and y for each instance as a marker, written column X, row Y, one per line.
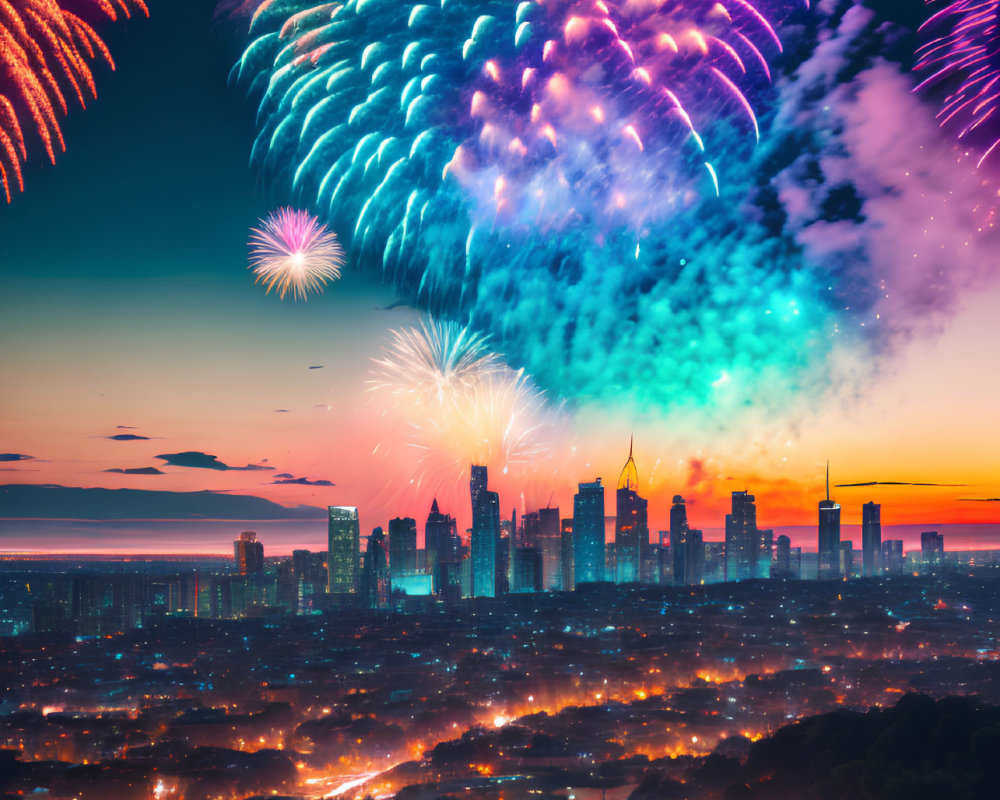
column 829, row 536
column 631, row 527
column 442, row 548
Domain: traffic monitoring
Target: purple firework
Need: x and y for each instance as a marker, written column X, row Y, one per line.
column 964, row 58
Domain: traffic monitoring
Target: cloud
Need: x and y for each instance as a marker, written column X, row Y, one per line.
column 127, row 437
column 15, row 457
column 136, row 471
column 126, row 427
column 198, row 460
column 282, row 411
column 892, row 483
column 979, row 499
column 286, row 479
column 317, row 366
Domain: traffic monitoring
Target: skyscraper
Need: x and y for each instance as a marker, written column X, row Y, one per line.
column 679, row 540
column 829, row 536
column 402, row 546
column 783, row 558
column 566, row 555
column 441, row 544
column 343, row 550
column 871, row 539
column 485, row 535
column 931, row 551
column 550, row 543
column 249, row 554
column 742, row 538
column 694, row 561
column 631, row 528
column 588, row 532
column 375, row 585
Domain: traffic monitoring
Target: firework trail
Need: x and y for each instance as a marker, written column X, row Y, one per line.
column 45, row 56
column 294, row 252
column 457, row 403
column 964, row 57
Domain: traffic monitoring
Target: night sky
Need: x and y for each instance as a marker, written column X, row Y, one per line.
column 128, row 309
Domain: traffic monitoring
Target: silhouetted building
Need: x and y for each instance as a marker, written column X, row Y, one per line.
column 678, row 540
column 375, row 582
column 344, row 550
column 846, row 559
column 249, row 554
column 402, row 546
column 931, row 551
column 441, row 546
column 485, row 536
column 892, row 557
column 871, row 539
column 588, row 532
column 742, row 538
column 828, row 551
column 694, row 562
column 631, row 528
column 527, row 570
column 783, row 558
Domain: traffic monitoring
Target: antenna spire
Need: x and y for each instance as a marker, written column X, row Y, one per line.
column 828, row 479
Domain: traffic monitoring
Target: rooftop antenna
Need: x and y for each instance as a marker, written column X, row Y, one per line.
column 828, row 479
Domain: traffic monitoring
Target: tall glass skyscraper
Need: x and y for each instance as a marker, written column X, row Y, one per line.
column 871, row 539
column 742, row 538
column 343, row 550
column 631, row 528
column 550, row 544
column 679, row 540
column 375, row 582
column 485, row 535
column 588, row 532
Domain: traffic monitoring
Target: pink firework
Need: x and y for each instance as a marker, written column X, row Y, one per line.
column 964, row 58
column 293, row 252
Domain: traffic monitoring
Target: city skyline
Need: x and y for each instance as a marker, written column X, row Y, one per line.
column 140, row 355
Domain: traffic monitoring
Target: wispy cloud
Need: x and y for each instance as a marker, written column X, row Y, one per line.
column 195, row 459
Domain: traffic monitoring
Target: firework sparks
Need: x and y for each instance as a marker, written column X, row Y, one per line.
column 45, row 50
column 965, row 58
column 458, row 403
column 293, row 252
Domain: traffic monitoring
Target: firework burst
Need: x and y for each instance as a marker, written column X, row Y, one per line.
column 964, row 57
column 293, row 252
column 45, row 55
column 456, row 403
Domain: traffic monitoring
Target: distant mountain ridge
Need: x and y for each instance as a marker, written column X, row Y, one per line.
column 50, row 501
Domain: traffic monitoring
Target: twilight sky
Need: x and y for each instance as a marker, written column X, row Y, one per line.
column 129, row 312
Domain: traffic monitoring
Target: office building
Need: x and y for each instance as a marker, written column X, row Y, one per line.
column 871, row 539
column 783, row 558
column 588, row 532
column 549, row 542
column 892, row 557
column 375, row 581
column 828, row 550
column 742, row 538
column 343, row 550
column 678, row 540
column 485, row 539
column 566, row 555
column 249, row 554
column 931, row 551
column 402, row 546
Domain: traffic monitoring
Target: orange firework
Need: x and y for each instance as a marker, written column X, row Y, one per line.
column 45, row 49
